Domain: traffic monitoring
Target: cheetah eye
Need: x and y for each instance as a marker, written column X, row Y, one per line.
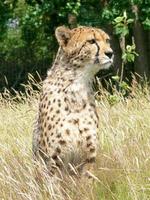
column 107, row 41
column 92, row 41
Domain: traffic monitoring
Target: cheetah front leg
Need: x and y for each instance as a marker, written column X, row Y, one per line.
column 91, row 152
column 89, row 166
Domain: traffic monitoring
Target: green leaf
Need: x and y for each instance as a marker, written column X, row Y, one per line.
column 116, row 78
column 118, row 19
column 146, row 23
column 129, row 48
column 125, row 31
column 129, row 21
column 124, row 85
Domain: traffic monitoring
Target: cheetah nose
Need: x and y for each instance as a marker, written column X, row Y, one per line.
column 109, row 54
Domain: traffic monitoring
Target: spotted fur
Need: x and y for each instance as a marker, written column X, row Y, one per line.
column 67, row 121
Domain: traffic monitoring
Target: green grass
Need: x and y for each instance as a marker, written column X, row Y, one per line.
column 123, row 162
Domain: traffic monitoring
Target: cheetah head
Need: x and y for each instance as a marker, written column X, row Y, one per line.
column 88, row 48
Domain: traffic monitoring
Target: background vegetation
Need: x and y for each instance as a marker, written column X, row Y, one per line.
column 27, row 42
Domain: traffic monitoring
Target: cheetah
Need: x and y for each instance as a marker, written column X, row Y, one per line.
column 65, row 131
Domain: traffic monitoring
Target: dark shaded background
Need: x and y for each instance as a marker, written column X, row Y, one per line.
column 28, row 44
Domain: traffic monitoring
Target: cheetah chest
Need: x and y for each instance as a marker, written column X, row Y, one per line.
column 69, row 121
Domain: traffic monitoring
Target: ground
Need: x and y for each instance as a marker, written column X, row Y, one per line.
column 123, row 162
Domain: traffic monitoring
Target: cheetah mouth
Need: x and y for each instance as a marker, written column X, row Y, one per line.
column 109, row 62
column 107, row 65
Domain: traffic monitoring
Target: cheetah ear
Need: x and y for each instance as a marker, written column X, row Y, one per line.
column 63, row 34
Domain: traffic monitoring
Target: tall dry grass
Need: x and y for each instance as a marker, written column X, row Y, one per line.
column 122, row 170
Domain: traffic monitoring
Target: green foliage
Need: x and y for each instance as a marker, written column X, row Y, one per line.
column 135, row 9
column 113, row 99
column 144, row 15
column 121, row 24
column 146, row 23
column 6, row 9
column 71, row 7
column 122, row 29
column 129, row 53
column 123, row 88
column 31, row 39
column 10, row 44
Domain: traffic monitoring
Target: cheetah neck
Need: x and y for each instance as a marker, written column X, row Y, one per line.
column 77, row 80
